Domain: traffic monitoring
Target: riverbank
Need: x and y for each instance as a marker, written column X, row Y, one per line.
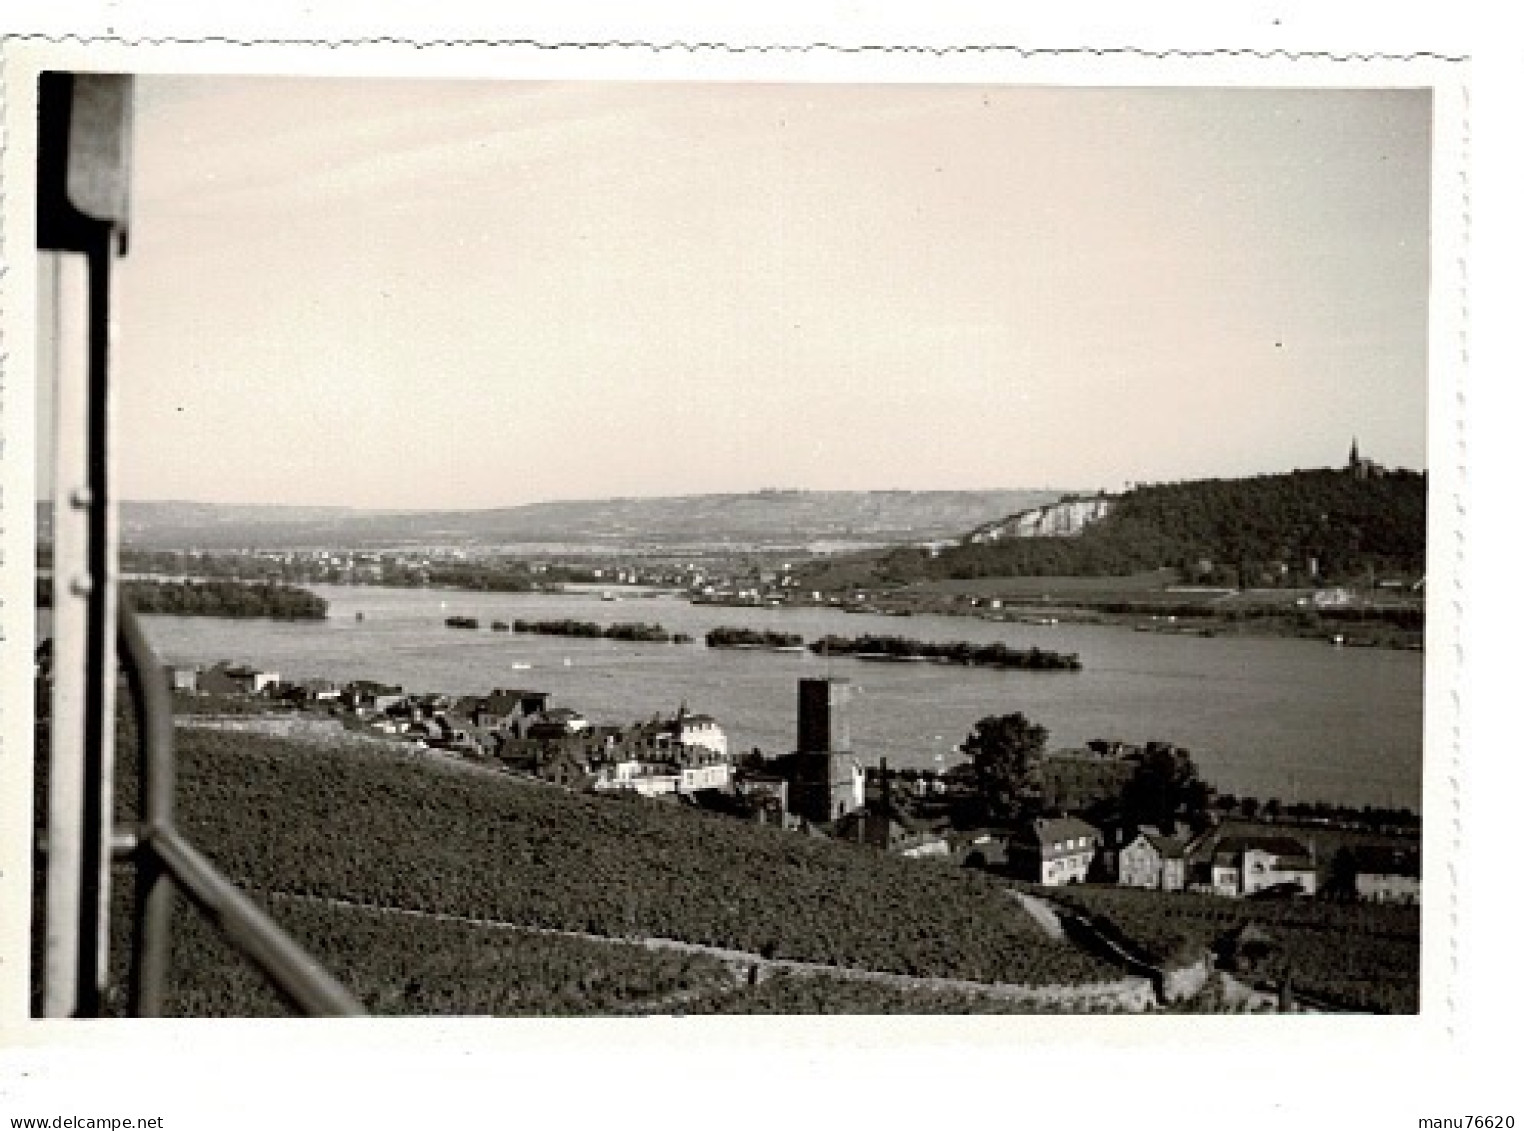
column 1289, row 614
column 1224, row 699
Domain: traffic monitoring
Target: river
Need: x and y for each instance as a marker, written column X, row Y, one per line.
column 1263, row 716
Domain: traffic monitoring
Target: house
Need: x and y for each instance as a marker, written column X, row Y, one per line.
column 1379, row 873
column 711, row 774
column 423, row 706
column 504, row 708
column 309, row 692
column 1244, row 865
column 697, row 730
column 557, row 722
column 897, row 832
column 1152, row 860
column 565, row 766
column 182, row 677
column 979, row 848
column 364, row 695
column 667, row 769
column 649, row 779
column 431, row 730
column 457, row 733
column 229, row 679
column 1053, row 850
column 766, row 790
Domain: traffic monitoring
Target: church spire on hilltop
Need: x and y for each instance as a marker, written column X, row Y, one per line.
column 1361, row 467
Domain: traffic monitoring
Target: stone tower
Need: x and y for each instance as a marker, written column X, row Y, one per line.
column 829, row 781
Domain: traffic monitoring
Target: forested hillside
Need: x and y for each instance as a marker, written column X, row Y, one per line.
column 1232, row 531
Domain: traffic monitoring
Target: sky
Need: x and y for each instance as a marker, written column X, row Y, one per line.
column 439, row 294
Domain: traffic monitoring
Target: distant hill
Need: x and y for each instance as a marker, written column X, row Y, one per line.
column 1322, row 524
column 792, row 518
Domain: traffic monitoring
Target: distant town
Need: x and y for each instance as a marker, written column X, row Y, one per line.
column 1104, row 813
column 1336, row 555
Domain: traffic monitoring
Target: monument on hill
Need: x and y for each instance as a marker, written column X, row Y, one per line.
column 829, row 782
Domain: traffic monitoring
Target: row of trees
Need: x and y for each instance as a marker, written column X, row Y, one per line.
column 995, row 655
column 224, row 599
column 1005, row 751
column 591, row 631
column 729, row 637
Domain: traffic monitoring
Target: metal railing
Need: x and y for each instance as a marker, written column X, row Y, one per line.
column 164, row 861
column 83, row 181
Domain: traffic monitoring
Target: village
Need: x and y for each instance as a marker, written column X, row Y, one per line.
column 824, row 788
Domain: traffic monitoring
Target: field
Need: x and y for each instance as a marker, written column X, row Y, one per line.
column 1359, row 955
column 297, row 824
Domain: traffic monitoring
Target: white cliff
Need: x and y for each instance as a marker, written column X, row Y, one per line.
column 1056, row 520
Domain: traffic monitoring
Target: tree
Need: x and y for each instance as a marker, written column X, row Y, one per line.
column 1165, row 787
column 1003, row 749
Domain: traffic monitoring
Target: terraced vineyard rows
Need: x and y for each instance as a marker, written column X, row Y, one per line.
column 377, row 827
column 1361, row 955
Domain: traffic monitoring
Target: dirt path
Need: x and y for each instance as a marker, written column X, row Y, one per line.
column 1042, row 911
column 1132, row 994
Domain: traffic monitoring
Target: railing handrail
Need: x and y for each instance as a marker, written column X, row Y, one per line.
column 290, row 969
column 163, row 854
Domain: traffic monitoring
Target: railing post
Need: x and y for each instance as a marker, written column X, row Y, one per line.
column 82, row 175
column 66, row 811
column 153, row 887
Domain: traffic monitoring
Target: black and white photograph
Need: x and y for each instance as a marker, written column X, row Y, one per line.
column 667, row 549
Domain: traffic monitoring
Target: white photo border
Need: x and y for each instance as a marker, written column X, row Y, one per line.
column 1364, row 1040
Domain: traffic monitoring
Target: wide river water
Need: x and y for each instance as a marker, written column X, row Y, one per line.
column 1268, row 717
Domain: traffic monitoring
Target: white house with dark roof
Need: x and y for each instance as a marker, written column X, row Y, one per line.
column 1243, row 865
column 697, row 730
column 1054, row 850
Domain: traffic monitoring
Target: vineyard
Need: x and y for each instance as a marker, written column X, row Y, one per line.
column 397, row 831
column 1362, row 956
column 408, row 965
